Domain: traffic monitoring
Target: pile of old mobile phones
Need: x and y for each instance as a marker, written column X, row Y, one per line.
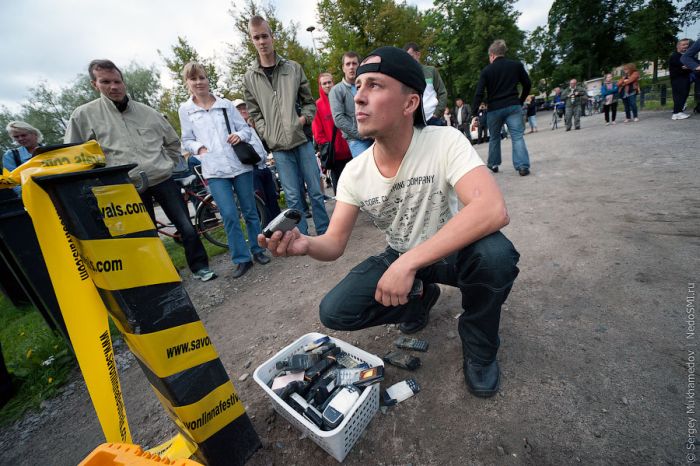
column 322, row 382
column 285, row 221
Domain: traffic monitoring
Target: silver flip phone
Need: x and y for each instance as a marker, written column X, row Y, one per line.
column 285, row 221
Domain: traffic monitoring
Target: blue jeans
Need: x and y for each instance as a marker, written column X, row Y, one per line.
column 290, row 164
column 630, row 104
column 359, row 146
column 223, row 191
column 513, row 119
column 483, row 271
column 168, row 196
column 533, row 121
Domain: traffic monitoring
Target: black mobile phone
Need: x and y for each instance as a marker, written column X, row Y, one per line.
column 411, row 344
column 285, row 221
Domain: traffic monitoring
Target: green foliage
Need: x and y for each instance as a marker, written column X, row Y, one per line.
column 363, row 25
column 588, row 36
column 464, row 29
column 689, row 12
column 652, row 32
column 38, row 360
column 242, row 56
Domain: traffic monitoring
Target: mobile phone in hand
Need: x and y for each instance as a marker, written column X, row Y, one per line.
column 285, row 221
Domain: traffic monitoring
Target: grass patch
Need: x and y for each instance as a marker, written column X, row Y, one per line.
column 38, row 360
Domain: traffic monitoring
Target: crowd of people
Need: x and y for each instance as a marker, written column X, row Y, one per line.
column 405, row 155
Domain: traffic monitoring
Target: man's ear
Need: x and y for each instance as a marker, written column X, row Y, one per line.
column 94, row 85
column 411, row 104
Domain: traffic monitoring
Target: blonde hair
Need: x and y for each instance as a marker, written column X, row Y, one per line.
column 258, row 20
column 630, row 67
column 22, row 126
column 192, row 70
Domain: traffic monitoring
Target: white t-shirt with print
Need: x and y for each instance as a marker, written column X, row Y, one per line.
column 413, row 205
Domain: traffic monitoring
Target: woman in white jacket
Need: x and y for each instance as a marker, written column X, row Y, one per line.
column 205, row 134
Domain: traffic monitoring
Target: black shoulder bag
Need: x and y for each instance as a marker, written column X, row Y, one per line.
column 327, row 152
column 244, row 151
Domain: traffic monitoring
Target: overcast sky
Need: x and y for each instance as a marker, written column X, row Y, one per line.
column 55, row 40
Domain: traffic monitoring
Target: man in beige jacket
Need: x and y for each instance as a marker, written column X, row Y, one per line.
column 131, row 132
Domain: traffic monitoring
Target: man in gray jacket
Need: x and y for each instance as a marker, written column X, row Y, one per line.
column 131, row 132
column 342, row 100
column 273, row 87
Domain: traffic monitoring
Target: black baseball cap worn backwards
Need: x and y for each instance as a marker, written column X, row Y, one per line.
column 398, row 64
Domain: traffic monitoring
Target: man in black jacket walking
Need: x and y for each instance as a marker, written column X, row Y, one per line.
column 680, row 80
column 500, row 80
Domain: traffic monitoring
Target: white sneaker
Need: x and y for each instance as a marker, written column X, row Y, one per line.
column 680, row 116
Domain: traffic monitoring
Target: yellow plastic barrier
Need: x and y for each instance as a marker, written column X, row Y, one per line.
column 104, row 256
column 122, row 454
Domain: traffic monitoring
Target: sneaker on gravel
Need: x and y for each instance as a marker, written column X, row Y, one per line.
column 680, row 116
column 204, row 274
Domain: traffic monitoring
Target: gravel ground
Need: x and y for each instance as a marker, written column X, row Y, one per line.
column 595, row 340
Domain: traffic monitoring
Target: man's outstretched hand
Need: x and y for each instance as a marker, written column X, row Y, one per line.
column 290, row 243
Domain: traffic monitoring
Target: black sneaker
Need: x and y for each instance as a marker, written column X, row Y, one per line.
column 241, row 269
column 494, row 168
column 524, row 171
column 261, row 258
column 483, row 380
column 430, row 297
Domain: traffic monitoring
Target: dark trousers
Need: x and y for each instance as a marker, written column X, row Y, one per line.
column 680, row 88
column 608, row 109
column 338, row 166
column 167, row 195
column 265, row 187
column 482, row 133
column 484, row 272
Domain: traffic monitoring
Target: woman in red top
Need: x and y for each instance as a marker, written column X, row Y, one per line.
column 323, row 128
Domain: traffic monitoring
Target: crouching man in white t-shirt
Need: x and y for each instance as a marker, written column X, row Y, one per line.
column 408, row 182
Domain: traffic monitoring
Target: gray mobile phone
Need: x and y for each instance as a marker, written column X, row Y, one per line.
column 285, row 221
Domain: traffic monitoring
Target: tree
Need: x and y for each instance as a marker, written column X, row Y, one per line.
column 464, row 29
column 689, row 12
column 652, row 33
column 242, row 55
column 540, row 53
column 589, row 36
column 363, row 25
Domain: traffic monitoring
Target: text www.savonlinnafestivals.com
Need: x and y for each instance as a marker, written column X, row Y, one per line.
column 690, row 408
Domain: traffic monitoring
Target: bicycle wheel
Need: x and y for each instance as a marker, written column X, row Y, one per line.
column 262, row 213
column 209, row 222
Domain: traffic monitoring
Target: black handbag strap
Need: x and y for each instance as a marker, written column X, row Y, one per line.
column 228, row 125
